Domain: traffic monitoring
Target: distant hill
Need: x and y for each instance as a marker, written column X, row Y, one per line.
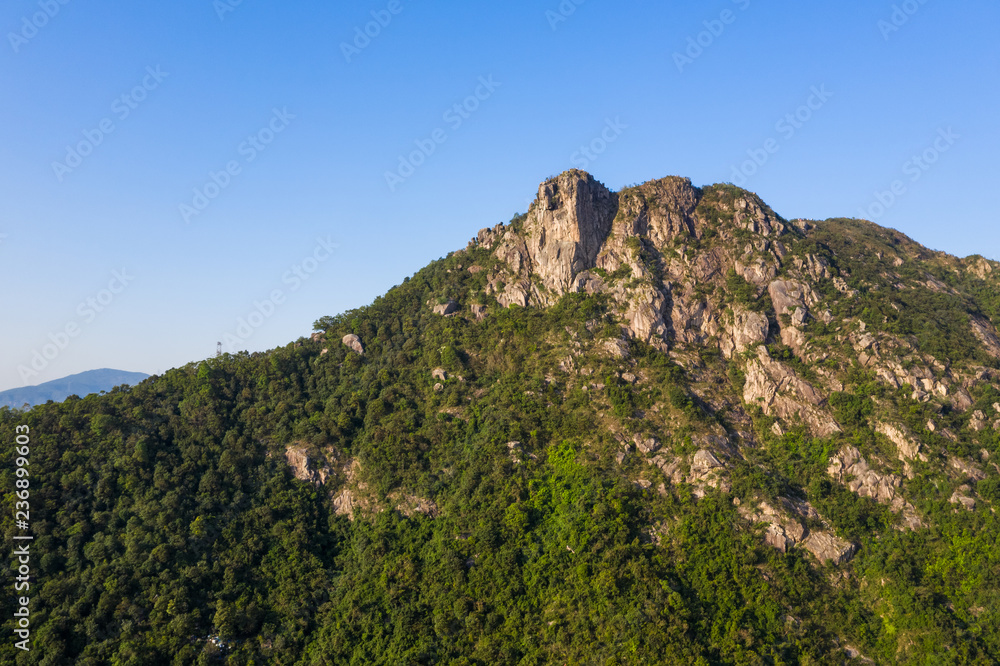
column 92, row 381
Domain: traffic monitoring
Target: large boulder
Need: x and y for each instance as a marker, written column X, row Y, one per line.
column 353, row 342
column 445, row 309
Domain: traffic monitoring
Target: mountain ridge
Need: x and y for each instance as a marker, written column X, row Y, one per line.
column 659, row 425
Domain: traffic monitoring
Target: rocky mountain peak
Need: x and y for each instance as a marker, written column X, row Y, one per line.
column 687, row 268
column 578, row 236
column 567, row 227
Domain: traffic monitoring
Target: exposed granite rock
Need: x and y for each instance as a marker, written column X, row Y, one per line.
column 792, row 298
column 305, row 468
column 486, row 238
column 694, row 320
column 987, row 335
column 788, row 295
column 707, row 471
column 827, row 547
column 850, row 468
column 561, row 237
column 961, row 496
column 784, row 530
column 841, row 285
column 616, row 347
column 907, row 448
column 439, row 373
column 965, row 469
column 781, row 393
column 514, row 450
column 816, row 267
column 750, row 213
column 446, row 309
column 756, row 270
column 478, row 311
column 961, row 400
column 704, row 461
column 353, row 342
column 670, row 466
column 646, row 445
column 747, row 329
column 352, row 498
column 409, row 505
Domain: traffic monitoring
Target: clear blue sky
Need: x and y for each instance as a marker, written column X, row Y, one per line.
column 222, row 69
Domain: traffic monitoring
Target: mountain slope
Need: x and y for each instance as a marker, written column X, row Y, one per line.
column 661, row 425
column 91, row 381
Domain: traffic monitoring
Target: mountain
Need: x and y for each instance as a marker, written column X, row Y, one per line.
column 663, row 425
column 91, row 381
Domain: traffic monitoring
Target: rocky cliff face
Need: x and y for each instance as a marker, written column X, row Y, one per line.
column 642, row 247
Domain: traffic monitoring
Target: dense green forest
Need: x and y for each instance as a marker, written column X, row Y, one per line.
column 170, row 527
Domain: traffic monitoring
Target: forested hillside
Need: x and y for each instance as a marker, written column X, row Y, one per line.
column 658, row 426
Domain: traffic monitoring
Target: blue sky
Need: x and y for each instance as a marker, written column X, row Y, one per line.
column 278, row 139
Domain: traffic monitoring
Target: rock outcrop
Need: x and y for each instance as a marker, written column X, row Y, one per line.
column 445, row 309
column 827, row 547
column 306, row 468
column 783, row 529
column 561, row 238
column 792, row 298
column 779, row 392
column 786, row 529
column 411, row 505
column 747, row 329
column 907, row 448
column 961, row 496
column 987, row 335
column 566, row 228
column 850, row 468
column 705, row 470
column 353, row 342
